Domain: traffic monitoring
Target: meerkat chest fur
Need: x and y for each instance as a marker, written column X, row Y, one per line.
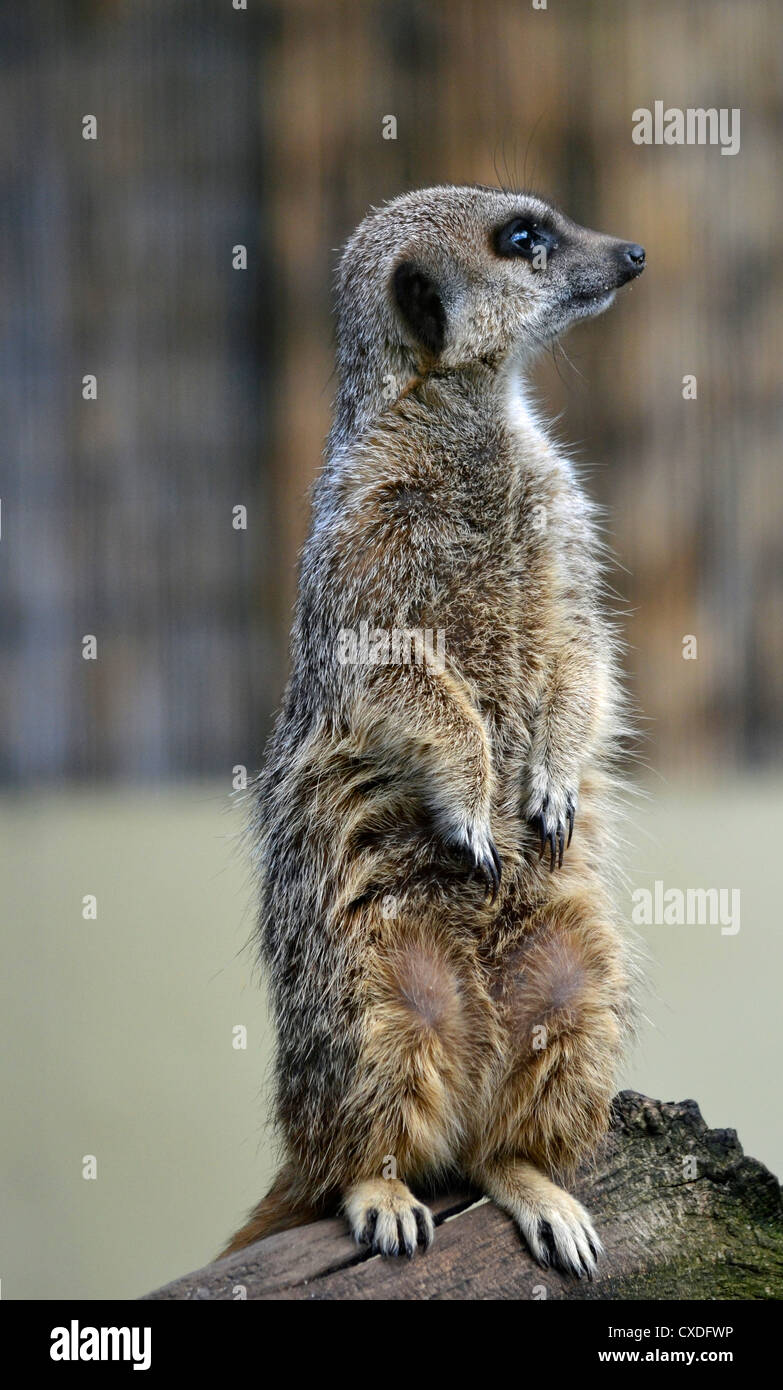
column 454, row 518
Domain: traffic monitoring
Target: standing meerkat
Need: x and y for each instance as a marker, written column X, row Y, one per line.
column 449, row 983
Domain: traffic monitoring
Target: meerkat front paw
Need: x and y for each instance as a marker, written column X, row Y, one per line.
column 385, row 1215
column 475, row 842
column 552, row 812
column 560, row 1234
column 556, row 1228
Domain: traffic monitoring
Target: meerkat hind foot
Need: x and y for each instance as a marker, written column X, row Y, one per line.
column 557, row 1229
column 385, row 1215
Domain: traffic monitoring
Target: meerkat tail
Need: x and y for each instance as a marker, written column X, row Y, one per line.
column 280, row 1210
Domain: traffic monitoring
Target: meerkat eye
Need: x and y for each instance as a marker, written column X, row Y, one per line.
column 522, row 237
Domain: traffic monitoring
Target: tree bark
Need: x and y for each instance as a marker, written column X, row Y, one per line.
column 680, row 1209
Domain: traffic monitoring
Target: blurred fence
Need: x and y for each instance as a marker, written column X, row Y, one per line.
column 264, row 128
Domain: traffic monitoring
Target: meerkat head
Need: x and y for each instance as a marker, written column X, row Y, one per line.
column 445, row 276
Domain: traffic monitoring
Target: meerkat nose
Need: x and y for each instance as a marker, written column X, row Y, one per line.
column 635, row 257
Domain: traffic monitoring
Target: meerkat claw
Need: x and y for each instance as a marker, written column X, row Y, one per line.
column 424, row 1227
column 489, row 872
column 573, row 1250
column 366, row 1235
column 492, row 872
column 539, row 821
column 385, row 1216
column 553, row 841
column 485, row 861
column 551, row 822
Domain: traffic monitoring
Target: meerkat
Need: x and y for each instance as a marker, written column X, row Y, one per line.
column 433, row 829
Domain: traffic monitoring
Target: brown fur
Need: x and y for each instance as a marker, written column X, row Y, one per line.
column 426, row 1025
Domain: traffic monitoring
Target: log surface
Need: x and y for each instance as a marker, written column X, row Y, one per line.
column 681, row 1211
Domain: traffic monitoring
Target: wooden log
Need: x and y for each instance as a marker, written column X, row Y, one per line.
column 680, row 1209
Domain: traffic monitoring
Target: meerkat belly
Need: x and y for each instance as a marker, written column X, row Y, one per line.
column 497, row 631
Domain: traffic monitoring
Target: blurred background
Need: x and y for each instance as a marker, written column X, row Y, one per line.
column 262, row 128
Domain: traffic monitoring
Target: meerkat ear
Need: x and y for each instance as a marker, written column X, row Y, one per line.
column 421, row 306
